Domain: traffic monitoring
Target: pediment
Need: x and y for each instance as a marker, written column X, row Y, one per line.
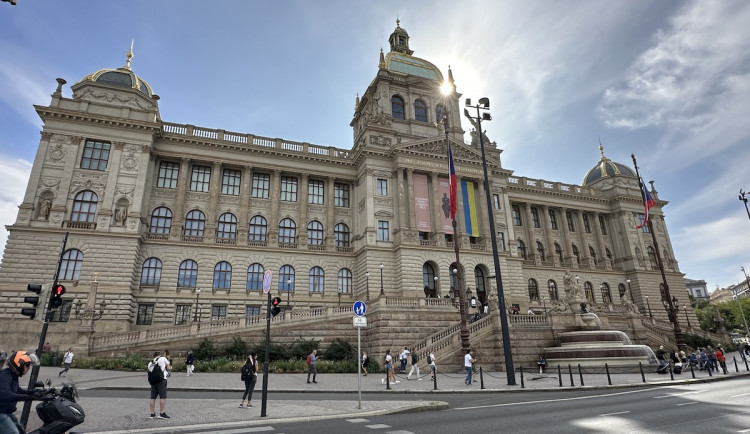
column 436, row 147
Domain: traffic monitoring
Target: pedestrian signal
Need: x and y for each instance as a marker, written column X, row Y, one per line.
column 56, row 300
column 275, row 309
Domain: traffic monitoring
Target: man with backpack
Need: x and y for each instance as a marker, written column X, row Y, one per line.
column 414, row 365
column 311, row 359
column 157, row 378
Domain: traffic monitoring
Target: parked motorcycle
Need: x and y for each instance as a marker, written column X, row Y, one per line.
column 58, row 410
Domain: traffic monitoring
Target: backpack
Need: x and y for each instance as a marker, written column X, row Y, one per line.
column 308, row 359
column 429, row 360
column 155, row 372
column 247, row 371
column 414, row 358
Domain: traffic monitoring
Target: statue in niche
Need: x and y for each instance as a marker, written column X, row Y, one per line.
column 121, row 214
column 44, row 208
column 446, row 207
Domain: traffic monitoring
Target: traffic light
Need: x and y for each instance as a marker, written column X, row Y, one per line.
column 275, row 309
column 37, row 301
column 56, row 300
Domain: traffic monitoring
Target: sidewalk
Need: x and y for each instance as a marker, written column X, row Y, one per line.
column 111, row 415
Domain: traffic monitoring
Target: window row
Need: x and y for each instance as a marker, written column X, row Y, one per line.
column 187, row 276
column 231, row 180
column 398, row 110
column 536, row 222
column 606, row 295
column 559, row 252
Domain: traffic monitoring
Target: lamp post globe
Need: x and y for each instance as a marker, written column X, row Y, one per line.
column 367, row 286
column 381, row 279
column 196, row 317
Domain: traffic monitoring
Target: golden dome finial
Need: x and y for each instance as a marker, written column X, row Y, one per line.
column 398, row 22
column 601, row 148
column 130, row 54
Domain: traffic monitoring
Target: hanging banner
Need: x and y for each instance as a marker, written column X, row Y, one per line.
column 470, row 209
column 421, row 203
column 444, row 190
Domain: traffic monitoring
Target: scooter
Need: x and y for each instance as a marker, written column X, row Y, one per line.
column 58, row 410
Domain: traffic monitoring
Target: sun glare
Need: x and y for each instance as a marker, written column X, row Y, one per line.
column 446, row 88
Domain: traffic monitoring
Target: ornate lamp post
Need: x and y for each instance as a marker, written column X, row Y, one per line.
column 381, row 279
column 435, row 279
column 649, row 308
column 482, row 107
column 671, row 307
column 744, row 199
column 737, row 296
column 367, row 285
column 687, row 318
column 462, row 311
column 196, row 317
column 630, row 290
column 290, row 288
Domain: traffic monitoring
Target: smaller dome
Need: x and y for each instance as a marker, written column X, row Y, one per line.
column 121, row 77
column 606, row 168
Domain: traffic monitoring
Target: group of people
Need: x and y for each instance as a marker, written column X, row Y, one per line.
column 708, row 359
column 404, row 356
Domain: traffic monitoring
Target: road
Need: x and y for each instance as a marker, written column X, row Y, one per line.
column 719, row 407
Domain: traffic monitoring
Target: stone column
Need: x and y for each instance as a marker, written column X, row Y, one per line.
column 178, row 214
column 567, row 239
column 410, row 200
column 329, row 200
column 302, row 198
column 548, row 235
column 583, row 248
column 600, row 242
column 530, row 240
column 400, row 199
column 214, row 191
column 245, row 191
column 437, row 217
column 485, row 218
column 273, row 221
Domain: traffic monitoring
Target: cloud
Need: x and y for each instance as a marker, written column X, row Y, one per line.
column 19, row 85
column 15, row 177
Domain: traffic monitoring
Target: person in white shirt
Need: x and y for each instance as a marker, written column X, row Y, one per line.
column 530, row 312
column 67, row 360
column 403, row 358
column 414, row 364
column 433, row 368
column 468, row 364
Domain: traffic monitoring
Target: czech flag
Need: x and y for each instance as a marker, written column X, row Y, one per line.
column 648, row 202
column 453, row 183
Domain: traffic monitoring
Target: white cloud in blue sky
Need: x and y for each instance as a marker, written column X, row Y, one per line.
column 668, row 81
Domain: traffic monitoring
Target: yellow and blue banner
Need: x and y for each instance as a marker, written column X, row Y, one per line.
column 470, row 209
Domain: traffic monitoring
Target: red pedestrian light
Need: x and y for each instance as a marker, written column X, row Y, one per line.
column 56, row 300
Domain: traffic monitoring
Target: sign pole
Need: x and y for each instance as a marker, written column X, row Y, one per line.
column 359, row 367
column 267, row 290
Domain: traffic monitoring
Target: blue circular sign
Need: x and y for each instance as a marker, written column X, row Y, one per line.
column 266, row 281
column 360, row 308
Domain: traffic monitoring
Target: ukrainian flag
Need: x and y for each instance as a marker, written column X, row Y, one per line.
column 470, row 208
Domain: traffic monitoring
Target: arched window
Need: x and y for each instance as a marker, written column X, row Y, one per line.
column 652, row 257
column 606, row 293
column 533, row 290
column 589, row 289
column 187, row 277
column 479, row 283
column 621, row 289
column 254, row 277
column 258, row 229
column 287, row 231
column 440, row 112
column 559, row 252
column 540, row 250
column 576, row 254
column 286, row 279
column 151, row 272
column 317, row 279
column 315, row 233
column 70, row 267
column 397, row 107
column 552, row 285
column 195, row 223
column 592, row 254
column 222, row 275
column 161, row 221
column 341, row 234
column 84, row 207
column 345, row 281
column 227, row 226
column 420, row 111
column 521, row 248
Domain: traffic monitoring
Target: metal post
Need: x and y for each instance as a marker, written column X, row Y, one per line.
column 434, row 379
column 367, row 285
column 264, row 395
column 742, row 311
column 671, row 373
column 359, row 367
column 744, row 199
column 649, row 308
column 559, row 375
column 630, row 290
column 381, row 279
column 580, row 373
column 481, row 378
column 643, row 376
column 520, row 369
column 736, row 368
column 747, row 368
column 570, row 372
column 197, row 296
column 609, row 379
column 684, row 307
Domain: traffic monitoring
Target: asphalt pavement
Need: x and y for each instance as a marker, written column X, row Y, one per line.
column 131, row 415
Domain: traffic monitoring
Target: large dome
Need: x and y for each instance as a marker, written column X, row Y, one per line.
column 606, row 168
column 400, row 58
column 121, row 77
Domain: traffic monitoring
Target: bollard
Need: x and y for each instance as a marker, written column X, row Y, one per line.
column 481, row 379
column 747, row 368
column 735, row 364
column 434, row 379
column 609, row 379
column 692, row 371
column 520, row 369
column 559, row 375
column 387, row 381
column 671, row 373
column 643, row 376
column 570, row 372
column 580, row 373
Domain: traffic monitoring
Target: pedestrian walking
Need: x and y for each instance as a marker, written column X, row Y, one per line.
column 414, row 364
column 468, row 365
column 365, row 362
column 250, row 376
column 403, row 358
column 721, row 359
column 311, row 359
column 158, row 379
column 433, row 367
column 67, row 360
column 389, row 374
column 189, row 360
column 712, row 360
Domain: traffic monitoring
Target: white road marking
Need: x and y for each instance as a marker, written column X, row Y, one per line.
column 378, row 426
column 687, row 403
column 357, row 420
column 672, row 395
column 250, row 429
column 545, row 401
column 741, row 394
column 612, row 414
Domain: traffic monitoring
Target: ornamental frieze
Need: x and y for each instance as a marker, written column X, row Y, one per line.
column 380, row 141
column 125, row 190
column 384, row 201
column 232, row 201
column 49, row 184
column 197, row 197
column 163, row 193
column 113, row 98
column 78, row 185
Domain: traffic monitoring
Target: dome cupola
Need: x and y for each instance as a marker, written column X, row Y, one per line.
column 121, row 77
column 606, row 168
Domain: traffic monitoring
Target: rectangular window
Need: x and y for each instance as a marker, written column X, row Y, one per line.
column 168, row 173
column 315, row 192
column 145, row 314
column 61, row 314
column 383, row 233
column 95, row 155
column 602, row 225
column 200, row 179
column 182, row 314
column 230, row 182
column 535, row 217
column 553, row 219
column 261, row 185
column 496, row 200
column 288, row 189
column 382, row 187
column 501, row 241
column 516, row 214
column 341, row 195
column 569, row 218
column 218, row 312
column 586, row 225
column 252, row 310
column 698, row 293
column 644, row 229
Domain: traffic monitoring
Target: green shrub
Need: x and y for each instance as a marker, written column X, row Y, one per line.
column 205, row 350
column 275, row 352
column 237, row 349
column 697, row 341
column 340, row 350
column 301, row 348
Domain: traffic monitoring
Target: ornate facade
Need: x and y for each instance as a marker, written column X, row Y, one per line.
column 157, row 210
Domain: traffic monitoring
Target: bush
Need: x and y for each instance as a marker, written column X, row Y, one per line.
column 301, row 348
column 340, row 350
column 697, row 341
column 205, row 351
column 237, row 349
column 275, row 352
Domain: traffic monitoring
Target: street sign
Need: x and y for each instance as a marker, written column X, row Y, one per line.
column 359, row 308
column 266, row 281
column 360, row 321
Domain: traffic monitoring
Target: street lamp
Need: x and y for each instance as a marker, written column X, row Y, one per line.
column 289, row 288
column 195, row 315
column 742, row 311
column 744, row 199
column 381, row 279
column 649, row 308
column 630, row 290
column 484, row 105
column 435, row 279
column 687, row 318
column 367, row 285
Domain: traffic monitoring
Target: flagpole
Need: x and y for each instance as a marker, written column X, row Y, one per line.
column 672, row 310
column 464, row 330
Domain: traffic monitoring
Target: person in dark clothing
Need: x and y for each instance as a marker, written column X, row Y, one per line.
column 189, row 363
column 250, row 377
column 19, row 364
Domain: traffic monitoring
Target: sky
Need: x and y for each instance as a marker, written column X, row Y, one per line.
column 666, row 80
